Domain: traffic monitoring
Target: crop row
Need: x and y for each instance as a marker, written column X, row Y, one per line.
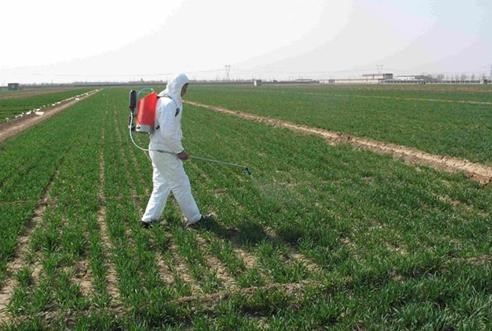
column 389, row 245
column 443, row 128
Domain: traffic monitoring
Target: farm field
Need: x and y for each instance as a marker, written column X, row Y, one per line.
column 319, row 236
column 447, row 127
column 14, row 103
column 471, row 92
column 27, row 92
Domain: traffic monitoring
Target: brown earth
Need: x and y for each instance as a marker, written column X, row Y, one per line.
column 111, row 275
column 216, row 265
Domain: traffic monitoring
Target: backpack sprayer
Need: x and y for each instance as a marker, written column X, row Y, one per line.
column 142, row 120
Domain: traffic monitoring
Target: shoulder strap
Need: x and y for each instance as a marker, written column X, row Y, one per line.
column 177, row 108
column 175, row 114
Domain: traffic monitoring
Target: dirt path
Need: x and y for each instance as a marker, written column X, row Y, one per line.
column 111, row 274
column 478, row 172
column 14, row 127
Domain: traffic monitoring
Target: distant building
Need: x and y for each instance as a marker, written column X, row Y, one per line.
column 306, row 81
column 419, row 79
column 13, row 86
column 365, row 79
column 257, row 82
column 383, row 76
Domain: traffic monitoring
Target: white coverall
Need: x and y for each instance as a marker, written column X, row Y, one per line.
column 168, row 172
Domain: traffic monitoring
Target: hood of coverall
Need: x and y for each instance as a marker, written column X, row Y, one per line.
column 174, row 87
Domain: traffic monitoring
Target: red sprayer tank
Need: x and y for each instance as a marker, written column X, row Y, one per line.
column 146, row 113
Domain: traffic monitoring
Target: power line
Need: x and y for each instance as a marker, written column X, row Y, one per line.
column 227, row 68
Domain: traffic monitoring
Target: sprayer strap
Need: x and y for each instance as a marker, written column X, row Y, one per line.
column 177, row 109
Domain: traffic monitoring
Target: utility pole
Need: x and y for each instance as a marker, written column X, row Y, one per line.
column 227, row 68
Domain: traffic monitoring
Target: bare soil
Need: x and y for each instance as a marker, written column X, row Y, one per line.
column 211, row 300
column 111, row 275
column 216, row 265
column 183, row 271
column 82, row 276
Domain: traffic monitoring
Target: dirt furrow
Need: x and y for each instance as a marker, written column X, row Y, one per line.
column 22, row 250
column 293, row 253
column 476, row 171
column 249, row 260
column 164, row 271
column 182, row 269
column 212, row 299
column 111, row 276
column 10, row 129
column 216, row 265
column 83, row 278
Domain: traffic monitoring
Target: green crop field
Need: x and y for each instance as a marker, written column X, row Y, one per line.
column 432, row 119
column 318, row 237
column 11, row 104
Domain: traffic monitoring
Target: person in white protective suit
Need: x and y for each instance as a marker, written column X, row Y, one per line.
column 168, row 172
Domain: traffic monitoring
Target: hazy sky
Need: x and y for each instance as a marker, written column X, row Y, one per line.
column 64, row 41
